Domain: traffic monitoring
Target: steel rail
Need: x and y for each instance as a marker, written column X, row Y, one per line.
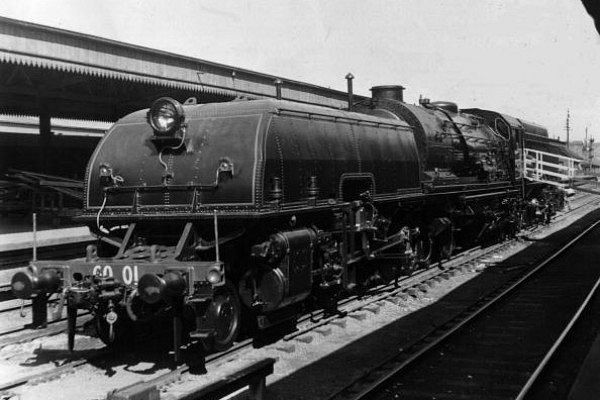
column 54, row 372
column 536, row 374
column 378, row 293
column 382, row 292
column 213, row 359
column 374, row 384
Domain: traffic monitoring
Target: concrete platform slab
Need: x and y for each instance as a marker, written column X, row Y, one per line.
column 51, row 237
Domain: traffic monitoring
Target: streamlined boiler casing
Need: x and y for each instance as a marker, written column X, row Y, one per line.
column 241, row 157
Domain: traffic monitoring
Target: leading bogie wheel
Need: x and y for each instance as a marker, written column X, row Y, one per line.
column 227, row 310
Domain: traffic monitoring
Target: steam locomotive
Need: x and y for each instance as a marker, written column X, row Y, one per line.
column 237, row 215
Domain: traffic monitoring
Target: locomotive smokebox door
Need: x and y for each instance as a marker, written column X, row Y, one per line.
column 285, row 274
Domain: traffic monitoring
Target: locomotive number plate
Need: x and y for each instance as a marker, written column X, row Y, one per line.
column 127, row 274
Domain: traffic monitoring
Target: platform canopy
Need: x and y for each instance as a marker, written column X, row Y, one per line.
column 59, row 73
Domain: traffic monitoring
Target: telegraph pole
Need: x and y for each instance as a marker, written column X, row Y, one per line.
column 588, row 149
column 591, row 153
column 568, row 126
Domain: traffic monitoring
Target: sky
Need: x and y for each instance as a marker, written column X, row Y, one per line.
column 533, row 59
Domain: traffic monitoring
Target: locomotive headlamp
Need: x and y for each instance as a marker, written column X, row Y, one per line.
column 166, row 115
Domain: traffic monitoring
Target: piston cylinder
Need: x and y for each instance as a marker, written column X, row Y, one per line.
column 287, row 277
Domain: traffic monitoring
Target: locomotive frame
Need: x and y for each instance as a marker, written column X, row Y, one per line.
column 235, row 215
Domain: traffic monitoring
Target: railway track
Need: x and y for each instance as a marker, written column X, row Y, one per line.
column 23, row 334
column 418, row 281
column 409, row 286
column 308, row 323
column 315, row 325
column 14, row 259
column 499, row 347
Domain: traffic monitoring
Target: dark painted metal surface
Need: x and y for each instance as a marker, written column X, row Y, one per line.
column 308, row 150
column 452, row 146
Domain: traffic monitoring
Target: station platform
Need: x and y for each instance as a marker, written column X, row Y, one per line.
column 18, row 224
column 17, row 234
column 50, row 237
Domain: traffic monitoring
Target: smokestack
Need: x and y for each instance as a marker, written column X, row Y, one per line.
column 389, row 92
column 349, row 78
column 278, row 83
